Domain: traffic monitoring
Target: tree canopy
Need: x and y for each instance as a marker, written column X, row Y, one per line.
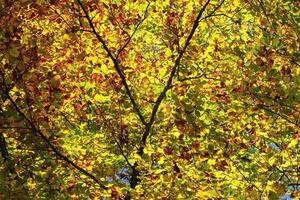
column 149, row 99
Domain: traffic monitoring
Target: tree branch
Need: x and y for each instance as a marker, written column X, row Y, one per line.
column 240, row 171
column 116, row 64
column 134, row 175
column 170, row 80
column 278, row 114
column 121, row 150
column 3, row 147
column 212, row 13
column 57, row 13
column 47, row 141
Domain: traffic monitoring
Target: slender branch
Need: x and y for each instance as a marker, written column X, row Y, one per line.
column 121, row 150
column 135, row 29
column 284, row 174
column 3, row 147
column 220, row 14
column 278, row 114
column 265, row 184
column 240, row 171
column 112, row 130
column 278, row 101
column 116, row 64
column 135, row 174
column 263, row 107
column 57, row 13
column 73, row 28
column 49, row 144
column 110, row 10
column 172, row 74
column 264, row 10
column 212, row 13
column 69, row 122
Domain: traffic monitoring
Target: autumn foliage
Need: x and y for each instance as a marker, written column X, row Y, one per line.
column 136, row 99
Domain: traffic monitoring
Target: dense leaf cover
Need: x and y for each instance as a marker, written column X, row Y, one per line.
column 157, row 99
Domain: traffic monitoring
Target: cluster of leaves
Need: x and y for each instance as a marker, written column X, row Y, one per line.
column 135, row 99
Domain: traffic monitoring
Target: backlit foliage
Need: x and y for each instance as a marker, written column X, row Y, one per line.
column 157, row 99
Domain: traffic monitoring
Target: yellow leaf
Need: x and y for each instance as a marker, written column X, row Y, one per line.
column 136, row 157
column 211, row 161
column 235, row 183
column 262, row 170
column 293, row 143
column 272, row 161
column 161, row 160
column 101, row 98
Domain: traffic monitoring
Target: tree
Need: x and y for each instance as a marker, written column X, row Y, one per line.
column 149, row 99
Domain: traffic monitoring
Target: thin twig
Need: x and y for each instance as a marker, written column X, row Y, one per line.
column 240, row 171
column 278, row 114
column 69, row 122
column 55, row 11
column 135, row 29
column 121, row 150
column 108, row 125
column 264, row 10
